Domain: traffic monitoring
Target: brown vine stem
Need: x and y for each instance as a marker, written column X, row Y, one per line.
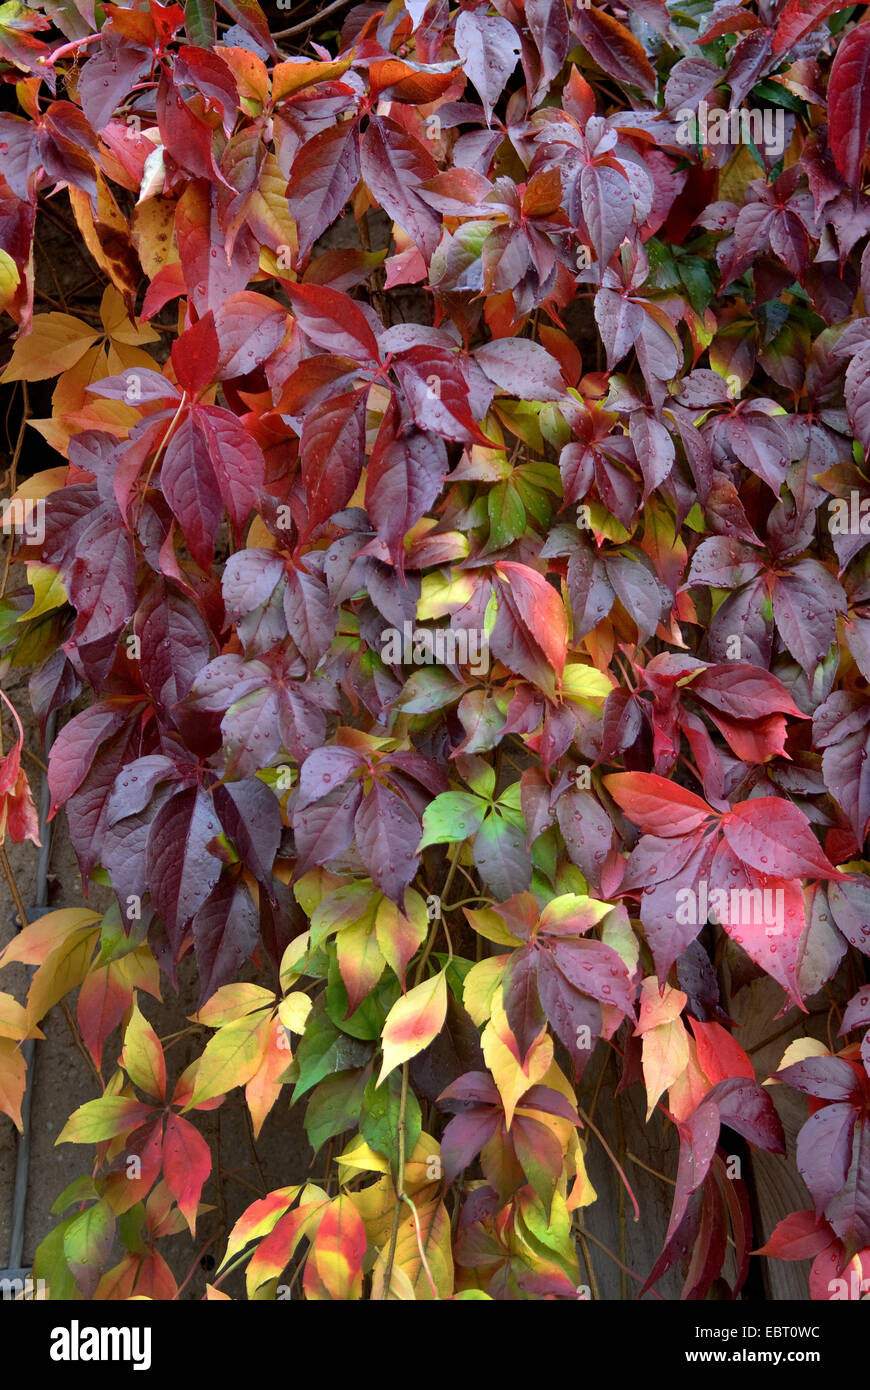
column 620, row 1134
column 654, row 1171
column 781, row 1032
column 590, row 1268
column 403, row 1096
column 587, row 1235
column 309, row 23
column 252, row 1144
column 79, row 1042
column 612, row 1156
column 13, row 887
column 197, row 1259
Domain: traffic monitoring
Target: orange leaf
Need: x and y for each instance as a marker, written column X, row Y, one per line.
column 339, row 1247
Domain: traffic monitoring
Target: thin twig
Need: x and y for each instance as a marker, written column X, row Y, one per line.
column 612, row 1156
column 583, row 1233
column 252, row 1144
column 654, row 1171
column 308, row 23
column 79, row 1042
column 590, row 1268
column 194, row 1267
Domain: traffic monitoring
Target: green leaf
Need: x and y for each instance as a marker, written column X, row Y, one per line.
column 87, row 1242
column 507, row 515
column 199, row 23
column 335, row 1105
column 379, row 1119
column 49, row 1263
column 79, row 1190
column 104, row 1118
column 450, row 817
column 324, row 1049
column 365, row 1022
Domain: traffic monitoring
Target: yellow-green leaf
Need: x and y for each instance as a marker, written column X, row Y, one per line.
column 413, row 1021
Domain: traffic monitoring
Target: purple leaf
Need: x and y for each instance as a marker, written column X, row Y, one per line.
column 181, row 870
column 225, row 935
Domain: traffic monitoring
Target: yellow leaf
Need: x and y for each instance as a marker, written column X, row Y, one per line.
column 479, row 986
column 499, row 1050
column 582, row 1194
column 231, row 1057
column 55, row 343
column 268, row 212
column 293, row 1011
column 48, row 591
column 360, row 1158
column 9, row 279
column 585, row 684
column 339, row 1248
column 38, row 939
column 14, row 1022
column 800, row 1050
column 42, row 484
column 658, row 1004
column 152, row 232
column 264, row 1087
column 439, row 595
column 423, row 1250
column 231, row 1002
column 413, row 1021
column 13, row 1075
column 259, row 537
column 142, row 1057
column 401, row 1288
column 689, row 1089
column 292, row 77
column 118, row 326
column 490, row 924
column 292, row 956
column 665, row 1058
column 63, row 971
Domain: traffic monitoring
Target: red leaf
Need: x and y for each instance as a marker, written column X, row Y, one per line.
column 249, row 328
column 394, row 165
column 195, row 356
column 719, row 1054
column 773, row 835
column 799, row 1236
column 489, row 47
column 237, row 462
column 614, row 48
column 186, row 1165
column 332, row 320
column 540, row 608
column 658, row 806
column 849, row 104
column 403, row 480
column 190, row 487
column 325, row 173
column 333, row 452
